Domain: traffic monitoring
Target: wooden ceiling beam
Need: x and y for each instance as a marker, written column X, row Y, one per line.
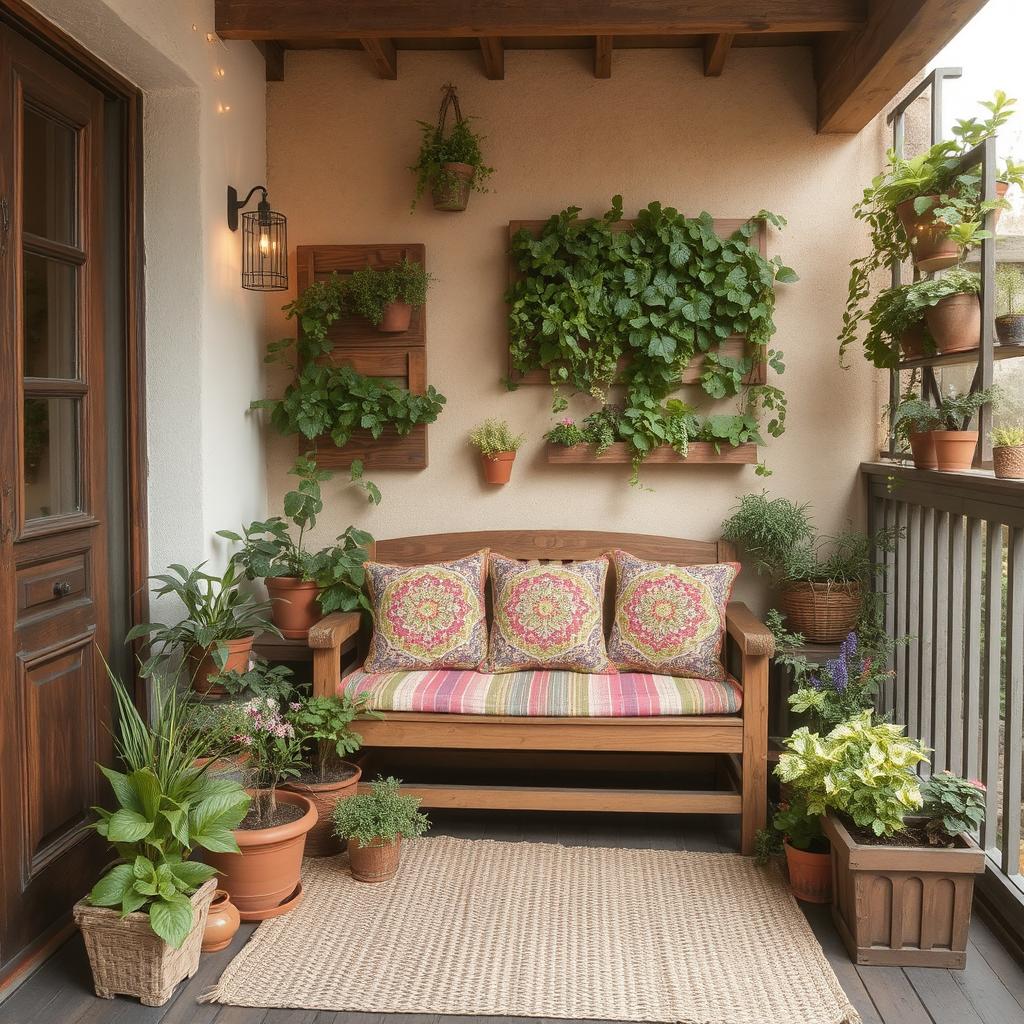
column 360, row 19
column 603, row 56
column 492, row 51
column 384, row 56
column 716, row 48
column 273, row 57
column 859, row 73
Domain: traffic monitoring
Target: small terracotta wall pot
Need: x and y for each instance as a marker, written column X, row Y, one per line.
column 822, row 612
column 810, row 874
column 1010, row 329
column 396, row 319
column 498, row 467
column 1008, row 463
column 376, row 862
column 268, row 870
column 955, row 323
column 204, row 666
column 922, row 447
column 221, row 923
column 455, row 196
column 321, row 840
column 912, row 341
column 294, row 608
column 954, row 449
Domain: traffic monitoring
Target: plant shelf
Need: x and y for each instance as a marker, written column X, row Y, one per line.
column 701, row 453
column 961, row 358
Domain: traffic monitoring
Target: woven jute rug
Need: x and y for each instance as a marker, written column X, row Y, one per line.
column 539, row 930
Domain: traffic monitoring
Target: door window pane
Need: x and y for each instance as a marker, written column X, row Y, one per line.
column 48, row 177
column 49, row 317
column 51, row 470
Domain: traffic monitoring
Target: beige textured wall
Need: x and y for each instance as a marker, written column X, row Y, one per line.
column 340, row 140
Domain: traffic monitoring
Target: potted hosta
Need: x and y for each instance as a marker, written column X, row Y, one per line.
column 263, row 876
column 497, row 446
column 303, row 584
column 216, row 635
column 143, row 921
column 913, row 421
column 324, row 734
column 1008, row 452
column 450, row 163
column 955, row 444
column 374, row 824
column 1010, row 291
column 388, row 296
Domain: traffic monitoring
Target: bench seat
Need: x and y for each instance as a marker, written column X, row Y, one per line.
column 545, row 694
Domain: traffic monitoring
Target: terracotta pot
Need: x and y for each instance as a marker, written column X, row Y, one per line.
column 1010, row 329
column 267, row 872
column 294, row 607
column 912, row 341
column 922, row 447
column 321, row 840
column 221, row 923
column 232, row 766
column 954, row 449
column 452, row 193
column 903, row 906
column 1008, row 462
column 810, row 874
column 498, row 467
column 203, row 666
column 377, row 862
column 955, row 323
column 823, row 613
column 396, row 319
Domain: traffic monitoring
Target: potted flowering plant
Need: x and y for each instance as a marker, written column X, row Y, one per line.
column 497, row 446
column 264, row 878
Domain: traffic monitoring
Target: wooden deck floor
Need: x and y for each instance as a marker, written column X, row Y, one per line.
column 989, row 991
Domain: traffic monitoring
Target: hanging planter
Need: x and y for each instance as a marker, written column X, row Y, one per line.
column 450, row 164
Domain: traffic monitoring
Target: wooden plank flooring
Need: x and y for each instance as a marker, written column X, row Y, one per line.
column 989, row 991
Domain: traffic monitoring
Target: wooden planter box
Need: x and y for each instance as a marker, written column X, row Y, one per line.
column 904, row 906
column 619, row 453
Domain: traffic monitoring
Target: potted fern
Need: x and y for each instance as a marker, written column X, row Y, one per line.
column 951, row 309
column 497, row 446
column 913, row 421
column 1010, row 290
column 955, row 443
column 1008, row 452
column 374, row 824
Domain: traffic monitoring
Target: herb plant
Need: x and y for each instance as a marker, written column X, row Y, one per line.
column 166, row 808
column 494, row 436
column 952, row 805
column 379, row 817
column 1010, row 290
column 1008, row 437
column 368, row 292
column 322, row 729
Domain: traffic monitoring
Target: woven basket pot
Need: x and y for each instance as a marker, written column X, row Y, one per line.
column 1010, row 329
column 451, row 190
column 129, row 959
column 1008, row 463
column 823, row 612
column 377, row 862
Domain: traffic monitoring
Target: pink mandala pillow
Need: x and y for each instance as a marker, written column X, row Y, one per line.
column 670, row 619
column 428, row 616
column 548, row 616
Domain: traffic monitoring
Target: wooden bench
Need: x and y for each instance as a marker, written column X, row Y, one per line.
column 740, row 740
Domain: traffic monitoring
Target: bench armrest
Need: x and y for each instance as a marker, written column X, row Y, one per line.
column 752, row 636
column 333, row 630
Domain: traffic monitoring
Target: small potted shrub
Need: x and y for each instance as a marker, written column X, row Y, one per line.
column 497, row 446
column 263, row 874
column 1008, row 452
column 217, row 632
column 323, row 730
column 387, row 297
column 913, row 421
column 951, row 308
column 143, row 921
column 450, row 163
column 303, row 585
column 374, row 824
column 1010, row 290
column 807, row 852
column 954, row 443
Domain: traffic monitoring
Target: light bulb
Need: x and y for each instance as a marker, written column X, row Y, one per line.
column 264, row 243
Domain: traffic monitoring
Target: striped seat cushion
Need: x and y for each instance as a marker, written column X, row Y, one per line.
column 539, row 693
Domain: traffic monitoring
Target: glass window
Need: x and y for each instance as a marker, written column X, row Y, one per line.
column 51, row 468
column 49, row 312
column 48, row 177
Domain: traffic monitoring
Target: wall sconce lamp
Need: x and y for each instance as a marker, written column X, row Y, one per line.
column 264, row 242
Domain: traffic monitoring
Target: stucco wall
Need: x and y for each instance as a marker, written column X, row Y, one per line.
column 339, row 142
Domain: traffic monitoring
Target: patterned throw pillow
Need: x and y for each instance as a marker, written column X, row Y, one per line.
column 428, row 616
column 670, row 618
column 548, row 616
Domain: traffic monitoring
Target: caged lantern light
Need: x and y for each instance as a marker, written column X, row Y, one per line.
column 264, row 242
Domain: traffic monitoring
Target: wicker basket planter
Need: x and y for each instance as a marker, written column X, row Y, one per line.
column 823, row 612
column 1010, row 329
column 1008, row 463
column 903, row 906
column 128, row 958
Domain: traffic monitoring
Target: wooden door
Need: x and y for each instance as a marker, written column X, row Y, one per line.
column 54, row 696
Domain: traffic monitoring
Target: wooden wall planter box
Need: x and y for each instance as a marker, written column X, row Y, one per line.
column 903, row 906
column 700, row 453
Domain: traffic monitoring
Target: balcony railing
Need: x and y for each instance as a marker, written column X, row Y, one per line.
column 955, row 589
